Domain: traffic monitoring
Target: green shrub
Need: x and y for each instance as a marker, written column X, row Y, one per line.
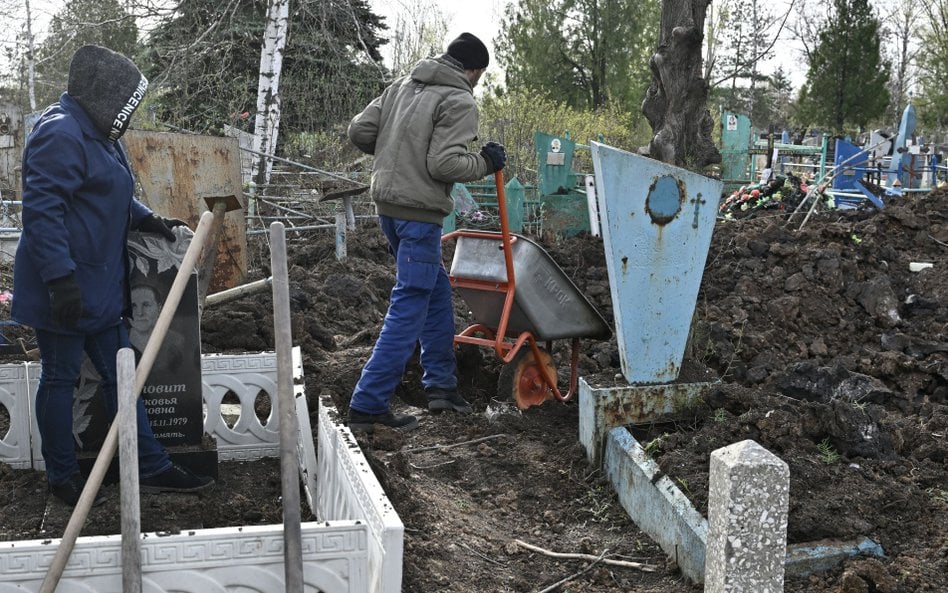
column 512, row 119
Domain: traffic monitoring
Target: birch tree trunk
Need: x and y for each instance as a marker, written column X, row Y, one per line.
column 30, row 58
column 676, row 103
column 267, row 121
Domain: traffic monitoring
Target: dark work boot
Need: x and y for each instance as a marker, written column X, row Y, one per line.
column 175, row 479
column 362, row 422
column 70, row 491
column 441, row 399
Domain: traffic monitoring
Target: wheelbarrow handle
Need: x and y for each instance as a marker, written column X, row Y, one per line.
column 506, row 242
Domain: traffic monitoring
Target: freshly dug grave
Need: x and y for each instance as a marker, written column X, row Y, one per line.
column 832, row 354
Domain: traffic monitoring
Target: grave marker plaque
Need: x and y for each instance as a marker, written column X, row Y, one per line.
column 172, row 393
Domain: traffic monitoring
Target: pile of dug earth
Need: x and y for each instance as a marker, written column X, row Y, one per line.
column 831, row 348
column 830, row 345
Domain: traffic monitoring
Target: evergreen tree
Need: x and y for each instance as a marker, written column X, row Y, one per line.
column 781, row 91
column 582, row 52
column 205, row 63
column 846, row 84
column 745, row 30
column 740, row 37
column 78, row 23
column 767, row 103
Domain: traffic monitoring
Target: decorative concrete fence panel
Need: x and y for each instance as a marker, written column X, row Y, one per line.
column 17, row 386
column 248, row 377
column 355, row 546
column 246, row 559
column 349, row 490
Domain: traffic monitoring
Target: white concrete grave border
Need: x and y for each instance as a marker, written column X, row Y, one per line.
column 355, row 546
column 660, row 509
column 15, row 396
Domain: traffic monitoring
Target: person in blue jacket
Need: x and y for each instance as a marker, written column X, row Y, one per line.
column 70, row 273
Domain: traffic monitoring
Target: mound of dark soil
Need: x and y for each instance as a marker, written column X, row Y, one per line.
column 831, row 353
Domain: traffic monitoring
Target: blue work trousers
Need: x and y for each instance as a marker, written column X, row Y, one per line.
column 61, row 357
column 420, row 309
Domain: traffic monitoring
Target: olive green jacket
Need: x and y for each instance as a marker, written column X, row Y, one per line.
column 419, row 130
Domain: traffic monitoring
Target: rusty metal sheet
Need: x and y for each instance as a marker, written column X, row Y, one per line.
column 179, row 174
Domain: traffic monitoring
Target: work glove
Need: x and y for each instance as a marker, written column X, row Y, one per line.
column 495, row 155
column 160, row 226
column 65, row 301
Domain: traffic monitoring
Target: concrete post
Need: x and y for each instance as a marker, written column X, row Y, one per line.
column 748, row 499
column 341, row 253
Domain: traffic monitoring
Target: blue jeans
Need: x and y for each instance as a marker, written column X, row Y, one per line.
column 61, row 357
column 420, row 309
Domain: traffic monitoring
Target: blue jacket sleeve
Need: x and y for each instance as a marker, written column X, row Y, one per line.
column 53, row 172
column 139, row 212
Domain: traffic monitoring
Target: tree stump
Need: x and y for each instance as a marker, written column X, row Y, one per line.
column 676, row 101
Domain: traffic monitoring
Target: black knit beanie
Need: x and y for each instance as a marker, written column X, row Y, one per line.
column 470, row 51
column 108, row 86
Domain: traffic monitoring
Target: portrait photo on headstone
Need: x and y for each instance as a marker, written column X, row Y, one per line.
column 172, row 390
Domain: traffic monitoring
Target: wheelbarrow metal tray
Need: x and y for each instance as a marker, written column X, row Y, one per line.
column 546, row 302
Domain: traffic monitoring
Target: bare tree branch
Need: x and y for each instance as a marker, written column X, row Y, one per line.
column 744, row 67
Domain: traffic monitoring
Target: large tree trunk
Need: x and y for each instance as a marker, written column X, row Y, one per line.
column 676, row 102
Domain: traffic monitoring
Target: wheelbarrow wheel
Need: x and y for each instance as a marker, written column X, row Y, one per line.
column 522, row 380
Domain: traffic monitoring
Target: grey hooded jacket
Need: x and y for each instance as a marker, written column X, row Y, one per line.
column 419, row 129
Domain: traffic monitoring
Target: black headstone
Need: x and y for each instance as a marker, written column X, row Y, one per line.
column 172, row 391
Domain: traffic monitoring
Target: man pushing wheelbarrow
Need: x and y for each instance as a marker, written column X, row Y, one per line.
column 419, row 130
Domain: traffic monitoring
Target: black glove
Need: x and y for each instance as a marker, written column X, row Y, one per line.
column 495, row 154
column 65, row 301
column 160, row 226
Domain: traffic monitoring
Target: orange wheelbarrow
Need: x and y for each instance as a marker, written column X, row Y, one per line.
column 519, row 298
